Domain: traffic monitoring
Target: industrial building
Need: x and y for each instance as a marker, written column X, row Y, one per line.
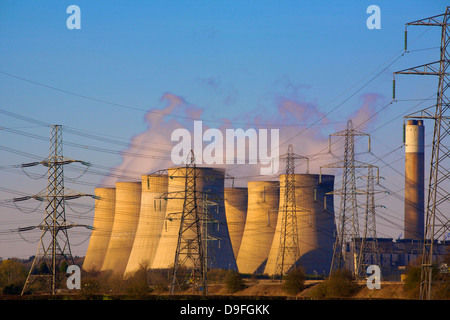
column 396, row 254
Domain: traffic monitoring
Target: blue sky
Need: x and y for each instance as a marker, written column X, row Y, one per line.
column 233, row 60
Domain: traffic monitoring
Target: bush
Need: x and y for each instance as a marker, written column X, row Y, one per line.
column 440, row 283
column 90, row 287
column 441, row 287
column 43, row 269
column 216, row 275
column 138, row 284
column 294, row 281
column 138, row 288
column 159, row 280
column 12, row 289
column 412, row 281
column 12, row 274
column 340, row 284
column 319, row 291
column 234, row 282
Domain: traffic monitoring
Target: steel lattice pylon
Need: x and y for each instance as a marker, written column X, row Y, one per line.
column 347, row 226
column 288, row 251
column 53, row 250
column 207, row 219
column 369, row 253
column 190, row 244
column 437, row 222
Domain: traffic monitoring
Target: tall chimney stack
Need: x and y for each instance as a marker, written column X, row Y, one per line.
column 414, row 180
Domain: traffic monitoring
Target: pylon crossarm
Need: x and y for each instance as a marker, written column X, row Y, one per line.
column 425, row 69
column 431, row 21
column 176, row 195
column 337, row 164
column 428, row 113
column 50, row 161
column 345, row 132
column 63, row 227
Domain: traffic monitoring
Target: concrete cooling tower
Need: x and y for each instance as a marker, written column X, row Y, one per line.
column 128, row 204
column 262, row 212
column 151, row 222
column 315, row 224
column 236, row 213
column 219, row 249
column 103, row 222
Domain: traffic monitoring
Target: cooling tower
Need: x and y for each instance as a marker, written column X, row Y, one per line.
column 151, row 222
column 260, row 226
column 414, row 180
column 236, row 213
column 103, row 222
column 315, row 224
column 219, row 250
column 128, row 203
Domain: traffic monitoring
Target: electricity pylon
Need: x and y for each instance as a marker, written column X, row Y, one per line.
column 347, row 226
column 437, row 222
column 289, row 250
column 369, row 253
column 54, row 250
column 207, row 219
column 190, row 246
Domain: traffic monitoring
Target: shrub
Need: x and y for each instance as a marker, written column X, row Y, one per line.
column 12, row 272
column 319, row 291
column 159, row 280
column 341, row 284
column 12, row 289
column 90, row 287
column 440, row 283
column 234, row 282
column 216, row 275
column 294, row 281
column 412, row 281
